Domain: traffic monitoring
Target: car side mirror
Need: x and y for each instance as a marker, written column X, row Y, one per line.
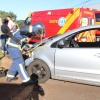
column 61, row 44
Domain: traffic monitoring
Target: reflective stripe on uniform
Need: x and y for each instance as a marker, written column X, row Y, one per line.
column 8, row 75
column 24, row 74
column 23, row 40
column 26, row 79
column 30, row 29
column 12, row 44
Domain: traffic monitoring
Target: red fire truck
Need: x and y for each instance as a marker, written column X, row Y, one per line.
column 97, row 17
column 97, row 21
column 61, row 20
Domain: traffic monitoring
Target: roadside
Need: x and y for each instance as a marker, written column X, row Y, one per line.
column 14, row 90
column 60, row 90
column 52, row 89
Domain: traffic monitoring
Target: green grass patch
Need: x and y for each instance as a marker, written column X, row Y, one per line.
column 0, row 57
column 0, row 53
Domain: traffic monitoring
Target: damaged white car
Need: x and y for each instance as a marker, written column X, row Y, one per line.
column 71, row 56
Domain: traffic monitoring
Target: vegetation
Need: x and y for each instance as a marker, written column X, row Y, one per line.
column 94, row 9
column 4, row 14
column 0, row 57
column 19, row 22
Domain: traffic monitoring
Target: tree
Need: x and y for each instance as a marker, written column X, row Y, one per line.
column 4, row 14
column 94, row 9
column 19, row 22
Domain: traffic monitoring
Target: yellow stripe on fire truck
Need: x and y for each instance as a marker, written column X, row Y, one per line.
column 70, row 18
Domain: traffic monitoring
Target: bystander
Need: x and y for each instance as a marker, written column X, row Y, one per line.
column 10, row 23
column 0, row 30
column 15, row 25
column 4, row 36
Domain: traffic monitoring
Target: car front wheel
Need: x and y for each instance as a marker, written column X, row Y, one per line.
column 39, row 68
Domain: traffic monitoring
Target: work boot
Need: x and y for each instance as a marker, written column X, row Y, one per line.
column 9, row 79
column 33, row 80
column 30, row 82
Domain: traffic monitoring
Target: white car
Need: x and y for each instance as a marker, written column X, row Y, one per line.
column 62, row 57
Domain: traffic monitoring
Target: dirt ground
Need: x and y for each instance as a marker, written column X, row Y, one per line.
column 14, row 90
column 51, row 90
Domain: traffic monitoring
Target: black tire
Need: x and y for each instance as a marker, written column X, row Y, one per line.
column 39, row 68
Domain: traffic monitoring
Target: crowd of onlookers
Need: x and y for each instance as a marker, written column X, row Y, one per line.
column 12, row 25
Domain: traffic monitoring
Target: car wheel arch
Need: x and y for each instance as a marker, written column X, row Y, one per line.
column 45, row 67
column 49, row 64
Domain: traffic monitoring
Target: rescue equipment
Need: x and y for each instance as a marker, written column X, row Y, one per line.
column 2, row 72
column 33, row 48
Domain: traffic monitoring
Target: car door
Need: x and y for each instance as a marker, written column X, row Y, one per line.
column 78, row 63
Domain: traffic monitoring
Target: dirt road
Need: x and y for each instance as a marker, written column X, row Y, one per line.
column 57, row 90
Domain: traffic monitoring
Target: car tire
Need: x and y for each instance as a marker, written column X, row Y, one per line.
column 41, row 69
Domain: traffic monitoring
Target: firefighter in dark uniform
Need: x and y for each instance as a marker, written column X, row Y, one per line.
column 16, row 39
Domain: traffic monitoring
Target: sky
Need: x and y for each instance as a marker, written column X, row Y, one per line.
column 21, row 8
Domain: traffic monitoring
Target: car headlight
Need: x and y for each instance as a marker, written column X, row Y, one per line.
column 31, row 55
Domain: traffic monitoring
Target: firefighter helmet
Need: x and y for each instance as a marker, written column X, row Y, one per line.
column 37, row 28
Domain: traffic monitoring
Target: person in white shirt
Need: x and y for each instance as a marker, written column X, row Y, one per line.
column 15, row 25
column 10, row 23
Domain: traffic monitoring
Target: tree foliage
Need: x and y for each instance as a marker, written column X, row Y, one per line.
column 94, row 9
column 4, row 15
column 19, row 22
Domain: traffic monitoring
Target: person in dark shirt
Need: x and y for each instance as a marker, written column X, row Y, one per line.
column 4, row 36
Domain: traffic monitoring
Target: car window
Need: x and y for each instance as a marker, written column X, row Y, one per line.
column 97, row 17
column 81, row 39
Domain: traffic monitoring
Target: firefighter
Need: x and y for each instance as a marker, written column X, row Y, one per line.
column 14, row 43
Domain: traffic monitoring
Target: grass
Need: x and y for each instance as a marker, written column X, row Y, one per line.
column 0, row 57
column 0, row 53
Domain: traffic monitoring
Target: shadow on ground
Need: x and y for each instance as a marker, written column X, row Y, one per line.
column 20, row 92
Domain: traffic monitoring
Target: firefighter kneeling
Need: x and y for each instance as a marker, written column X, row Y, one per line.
column 16, row 39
